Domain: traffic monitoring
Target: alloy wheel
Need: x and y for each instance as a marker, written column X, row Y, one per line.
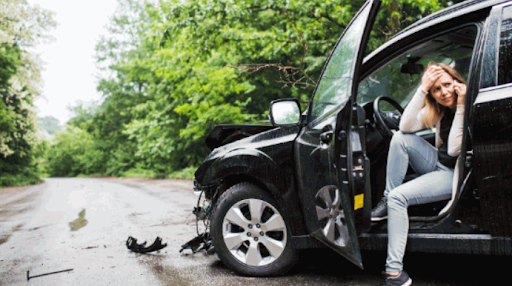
column 254, row 232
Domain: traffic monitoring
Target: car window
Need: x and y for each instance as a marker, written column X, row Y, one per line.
column 333, row 88
column 400, row 78
column 505, row 54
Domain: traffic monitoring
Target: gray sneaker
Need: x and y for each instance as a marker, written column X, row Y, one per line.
column 380, row 212
column 401, row 279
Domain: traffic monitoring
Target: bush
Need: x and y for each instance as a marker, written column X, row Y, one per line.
column 7, row 180
column 185, row 174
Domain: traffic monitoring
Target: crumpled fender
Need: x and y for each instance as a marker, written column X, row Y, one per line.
column 247, row 161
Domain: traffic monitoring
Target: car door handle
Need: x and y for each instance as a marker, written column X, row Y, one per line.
column 326, row 137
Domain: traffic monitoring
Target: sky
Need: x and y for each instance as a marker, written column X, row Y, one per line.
column 69, row 67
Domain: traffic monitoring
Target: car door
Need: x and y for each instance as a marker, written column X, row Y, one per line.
column 492, row 127
column 332, row 167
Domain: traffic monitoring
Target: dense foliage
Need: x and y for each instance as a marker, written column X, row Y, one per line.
column 21, row 26
column 173, row 70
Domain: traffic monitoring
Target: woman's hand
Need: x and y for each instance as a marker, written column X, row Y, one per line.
column 430, row 76
column 460, row 89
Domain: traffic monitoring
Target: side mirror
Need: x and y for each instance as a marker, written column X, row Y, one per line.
column 285, row 112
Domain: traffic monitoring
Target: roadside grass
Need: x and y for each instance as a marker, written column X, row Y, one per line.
column 18, row 180
column 184, row 174
column 90, row 175
column 140, row 173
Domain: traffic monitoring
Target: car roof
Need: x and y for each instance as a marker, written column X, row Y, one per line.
column 465, row 7
column 455, row 11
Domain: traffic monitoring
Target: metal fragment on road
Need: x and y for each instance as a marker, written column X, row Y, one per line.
column 28, row 273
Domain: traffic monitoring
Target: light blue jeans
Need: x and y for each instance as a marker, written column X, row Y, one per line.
column 434, row 184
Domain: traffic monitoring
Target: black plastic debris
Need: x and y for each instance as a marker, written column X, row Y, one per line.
column 199, row 243
column 132, row 245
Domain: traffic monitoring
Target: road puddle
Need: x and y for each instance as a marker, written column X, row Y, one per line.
column 79, row 222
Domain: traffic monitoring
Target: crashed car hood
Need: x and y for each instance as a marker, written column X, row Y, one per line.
column 224, row 134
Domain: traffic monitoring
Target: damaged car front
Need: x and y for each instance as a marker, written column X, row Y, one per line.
column 247, row 181
column 261, row 154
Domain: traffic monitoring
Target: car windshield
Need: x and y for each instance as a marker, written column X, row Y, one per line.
column 400, row 78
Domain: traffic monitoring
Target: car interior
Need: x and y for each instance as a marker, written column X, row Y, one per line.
column 398, row 80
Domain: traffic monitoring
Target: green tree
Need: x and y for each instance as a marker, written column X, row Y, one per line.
column 21, row 27
column 72, row 153
column 174, row 69
column 188, row 49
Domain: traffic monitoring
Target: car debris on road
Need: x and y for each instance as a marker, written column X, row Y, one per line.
column 132, row 245
column 29, row 277
column 198, row 243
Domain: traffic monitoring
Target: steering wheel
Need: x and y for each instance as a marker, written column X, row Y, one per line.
column 386, row 121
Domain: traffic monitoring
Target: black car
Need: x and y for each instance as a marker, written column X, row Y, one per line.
column 312, row 178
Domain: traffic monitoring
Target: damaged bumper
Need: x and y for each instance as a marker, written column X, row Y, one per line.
column 209, row 190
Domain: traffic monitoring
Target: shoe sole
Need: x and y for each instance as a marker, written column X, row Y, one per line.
column 408, row 283
column 375, row 219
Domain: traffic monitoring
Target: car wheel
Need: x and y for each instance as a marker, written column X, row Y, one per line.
column 250, row 234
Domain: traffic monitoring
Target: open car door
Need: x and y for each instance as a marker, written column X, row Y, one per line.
column 333, row 170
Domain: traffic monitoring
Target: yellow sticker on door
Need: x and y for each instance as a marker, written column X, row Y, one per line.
column 358, row 201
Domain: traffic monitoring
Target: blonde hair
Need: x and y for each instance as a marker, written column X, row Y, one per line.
column 435, row 111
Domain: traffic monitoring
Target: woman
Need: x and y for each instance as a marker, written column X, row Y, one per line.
column 442, row 92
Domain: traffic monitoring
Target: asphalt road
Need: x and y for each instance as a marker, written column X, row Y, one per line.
column 83, row 224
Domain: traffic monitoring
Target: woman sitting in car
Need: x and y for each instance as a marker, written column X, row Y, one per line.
column 439, row 103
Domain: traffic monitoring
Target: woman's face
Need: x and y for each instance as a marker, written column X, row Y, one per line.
column 443, row 91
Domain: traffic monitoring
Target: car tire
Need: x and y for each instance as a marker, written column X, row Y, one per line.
column 251, row 247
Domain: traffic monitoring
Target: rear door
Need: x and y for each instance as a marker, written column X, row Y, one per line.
column 332, row 165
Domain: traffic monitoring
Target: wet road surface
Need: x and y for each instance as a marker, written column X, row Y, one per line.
column 82, row 224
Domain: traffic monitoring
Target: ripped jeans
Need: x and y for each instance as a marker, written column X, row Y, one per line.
column 434, row 184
